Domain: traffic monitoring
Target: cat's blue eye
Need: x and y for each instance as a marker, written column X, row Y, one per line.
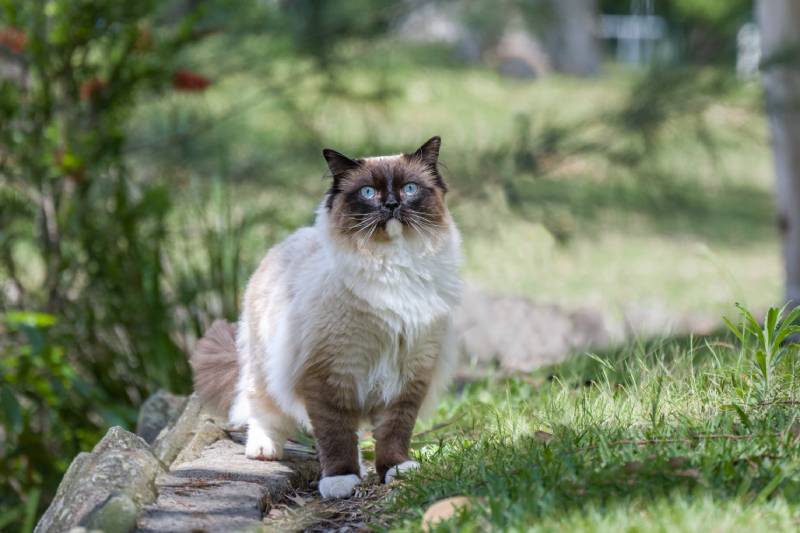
column 410, row 189
column 368, row 192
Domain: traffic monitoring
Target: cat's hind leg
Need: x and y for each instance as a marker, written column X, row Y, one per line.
column 268, row 428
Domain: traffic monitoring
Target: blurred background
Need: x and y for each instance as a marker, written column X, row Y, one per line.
column 609, row 161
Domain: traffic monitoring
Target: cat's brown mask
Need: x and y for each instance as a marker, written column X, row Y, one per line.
column 367, row 193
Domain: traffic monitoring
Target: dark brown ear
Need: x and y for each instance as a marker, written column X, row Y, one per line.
column 339, row 163
column 429, row 152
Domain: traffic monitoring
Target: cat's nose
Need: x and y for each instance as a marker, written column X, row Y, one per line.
column 391, row 203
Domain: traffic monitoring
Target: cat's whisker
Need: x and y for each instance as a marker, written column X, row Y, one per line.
column 426, row 226
column 366, row 223
column 421, row 217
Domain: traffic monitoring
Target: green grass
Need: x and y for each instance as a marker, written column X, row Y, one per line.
column 676, row 435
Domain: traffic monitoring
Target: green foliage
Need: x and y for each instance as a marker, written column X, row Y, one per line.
column 89, row 319
column 719, row 14
column 768, row 343
column 48, row 411
column 319, row 28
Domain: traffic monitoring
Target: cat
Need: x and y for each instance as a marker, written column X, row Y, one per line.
column 346, row 322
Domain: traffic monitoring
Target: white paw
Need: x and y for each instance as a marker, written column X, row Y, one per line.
column 338, row 486
column 262, row 448
column 405, row 466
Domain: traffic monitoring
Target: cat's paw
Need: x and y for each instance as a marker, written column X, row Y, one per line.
column 405, row 466
column 262, row 448
column 338, row 486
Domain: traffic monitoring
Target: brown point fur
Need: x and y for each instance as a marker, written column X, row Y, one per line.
column 394, row 425
column 335, row 433
column 348, row 211
column 215, row 365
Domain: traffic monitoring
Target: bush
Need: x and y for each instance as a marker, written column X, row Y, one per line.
column 87, row 317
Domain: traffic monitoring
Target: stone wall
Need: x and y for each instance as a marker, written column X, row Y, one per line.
column 191, row 476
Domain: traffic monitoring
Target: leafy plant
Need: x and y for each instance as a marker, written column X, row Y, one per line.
column 768, row 342
column 81, row 240
column 48, row 412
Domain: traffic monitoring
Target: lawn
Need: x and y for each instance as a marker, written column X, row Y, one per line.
column 673, row 435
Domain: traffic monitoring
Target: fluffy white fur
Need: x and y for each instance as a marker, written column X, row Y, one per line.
column 338, row 486
column 393, row 472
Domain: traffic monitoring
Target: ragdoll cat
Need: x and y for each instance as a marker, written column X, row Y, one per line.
column 345, row 322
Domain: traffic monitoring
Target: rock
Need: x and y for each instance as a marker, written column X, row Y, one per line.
column 174, row 437
column 157, row 412
column 522, row 335
column 117, row 515
column 223, row 490
column 104, row 488
column 444, row 510
column 117, row 438
column 205, row 506
column 518, row 54
column 654, row 319
column 207, row 434
column 431, row 23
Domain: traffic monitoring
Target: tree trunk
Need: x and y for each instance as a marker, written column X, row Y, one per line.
column 572, row 43
column 779, row 22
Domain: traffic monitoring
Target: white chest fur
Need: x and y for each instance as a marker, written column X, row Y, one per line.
column 410, row 290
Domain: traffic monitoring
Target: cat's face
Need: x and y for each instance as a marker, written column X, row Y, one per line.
column 382, row 198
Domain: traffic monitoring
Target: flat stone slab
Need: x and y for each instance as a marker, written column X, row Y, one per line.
column 222, row 490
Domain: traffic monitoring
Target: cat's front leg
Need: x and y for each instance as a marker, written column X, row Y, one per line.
column 393, row 427
column 337, row 445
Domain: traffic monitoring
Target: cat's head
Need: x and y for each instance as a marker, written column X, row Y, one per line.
column 387, row 197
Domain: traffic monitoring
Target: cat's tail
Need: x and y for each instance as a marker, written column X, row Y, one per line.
column 215, row 366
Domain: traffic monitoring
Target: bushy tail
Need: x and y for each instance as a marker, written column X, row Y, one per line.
column 215, row 365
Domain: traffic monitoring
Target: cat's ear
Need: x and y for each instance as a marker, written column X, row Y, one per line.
column 429, row 152
column 338, row 163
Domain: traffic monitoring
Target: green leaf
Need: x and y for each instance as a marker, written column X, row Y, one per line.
column 770, row 487
column 30, row 319
column 31, row 505
column 761, row 362
column 751, row 324
column 770, row 325
column 786, row 331
column 742, row 415
column 792, row 317
column 600, row 360
column 734, row 329
column 12, row 412
column 8, row 516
